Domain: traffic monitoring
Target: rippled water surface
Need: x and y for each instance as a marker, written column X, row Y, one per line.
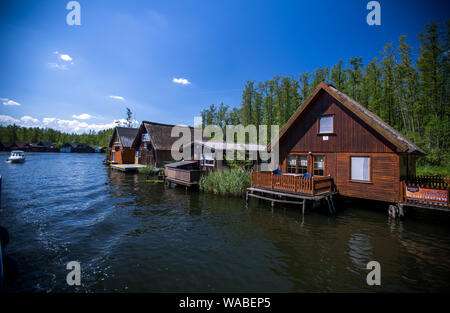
column 132, row 235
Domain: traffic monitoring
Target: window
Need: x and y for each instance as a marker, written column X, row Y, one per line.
column 326, row 124
column 318, row 166
column 149, row 146
column 207, row 159
column 292, row 164
column 145, row 137
column 360, row 168
column 302, row 164
column 138, row 154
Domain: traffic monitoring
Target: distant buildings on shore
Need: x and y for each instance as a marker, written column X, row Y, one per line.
column 47, row 146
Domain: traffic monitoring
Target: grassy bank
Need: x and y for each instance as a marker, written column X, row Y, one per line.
column 233, row 182
column 433, row 170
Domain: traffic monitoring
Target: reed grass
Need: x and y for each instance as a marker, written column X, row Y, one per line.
column 231, row 182
column 146, row 170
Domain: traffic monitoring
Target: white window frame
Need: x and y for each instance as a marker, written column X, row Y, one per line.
column 332, row 124
column 363, row 176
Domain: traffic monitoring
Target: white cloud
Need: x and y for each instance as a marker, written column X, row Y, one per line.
column 62, row 61
column 29, row 121
column 7, row 120
column 48, row 120
column 182, row 81
column 61, row 124
column 65, row 57
column 83, row 116
column 7, row 101
column 25, row 120
column 117, row 97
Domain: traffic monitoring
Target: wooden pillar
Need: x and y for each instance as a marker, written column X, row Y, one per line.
column 303, row 206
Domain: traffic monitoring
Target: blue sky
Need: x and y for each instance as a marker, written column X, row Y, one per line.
column 127, row 53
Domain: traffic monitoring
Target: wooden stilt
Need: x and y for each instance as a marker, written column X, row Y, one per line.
column 303, row 207
column 401, row 212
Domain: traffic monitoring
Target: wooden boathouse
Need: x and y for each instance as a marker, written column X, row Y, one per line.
column 203, row 158
column 153, row 143
column 120, row 149
column 332, row 144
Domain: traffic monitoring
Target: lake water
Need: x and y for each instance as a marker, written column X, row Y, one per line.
column 131, row 235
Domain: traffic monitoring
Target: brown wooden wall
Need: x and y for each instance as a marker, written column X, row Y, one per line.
column 147, row 156
column 351, row 134
column 384, row 182
column 351, row 137
column 123, row 155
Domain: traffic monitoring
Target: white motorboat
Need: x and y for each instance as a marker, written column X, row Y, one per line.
column 17, row 156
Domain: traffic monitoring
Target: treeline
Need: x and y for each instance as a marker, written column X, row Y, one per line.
column 407, row 88
column 12, row 133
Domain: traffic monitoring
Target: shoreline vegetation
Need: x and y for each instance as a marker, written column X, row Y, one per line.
column 229, row 182
column 15, row 133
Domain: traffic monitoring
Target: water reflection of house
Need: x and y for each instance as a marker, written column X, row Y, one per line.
column 68, row 147
column 121, row 151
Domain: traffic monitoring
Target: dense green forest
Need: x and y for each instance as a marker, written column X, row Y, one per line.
column 406, row 87
column 12, row 133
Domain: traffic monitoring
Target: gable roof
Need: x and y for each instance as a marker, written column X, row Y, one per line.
column 160, row 134
column 374, row 121
column 126, row 136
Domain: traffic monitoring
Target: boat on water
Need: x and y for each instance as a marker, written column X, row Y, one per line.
column 16, row 156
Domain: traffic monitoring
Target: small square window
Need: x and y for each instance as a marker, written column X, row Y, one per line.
column 326, row 124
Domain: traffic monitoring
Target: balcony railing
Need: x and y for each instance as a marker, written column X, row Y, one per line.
column 426, row 190
column 291, row 183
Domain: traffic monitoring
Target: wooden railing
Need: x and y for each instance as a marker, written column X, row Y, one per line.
column 290, row 183
column 426, row 190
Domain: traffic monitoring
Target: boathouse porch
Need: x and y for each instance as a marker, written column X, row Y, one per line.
column 292, row 189
column 425, row 192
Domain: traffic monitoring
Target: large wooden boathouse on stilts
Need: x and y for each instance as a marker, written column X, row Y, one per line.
column 334, row 145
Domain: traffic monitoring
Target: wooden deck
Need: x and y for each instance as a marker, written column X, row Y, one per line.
column 292, row 184
column 291, row 189
column 127, row 167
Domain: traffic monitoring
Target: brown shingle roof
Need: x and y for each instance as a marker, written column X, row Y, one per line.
column 160, row 134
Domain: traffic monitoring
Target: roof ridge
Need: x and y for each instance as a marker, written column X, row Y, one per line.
column 162, row 124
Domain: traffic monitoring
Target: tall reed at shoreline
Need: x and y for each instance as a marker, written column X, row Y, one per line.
column 232, row 182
